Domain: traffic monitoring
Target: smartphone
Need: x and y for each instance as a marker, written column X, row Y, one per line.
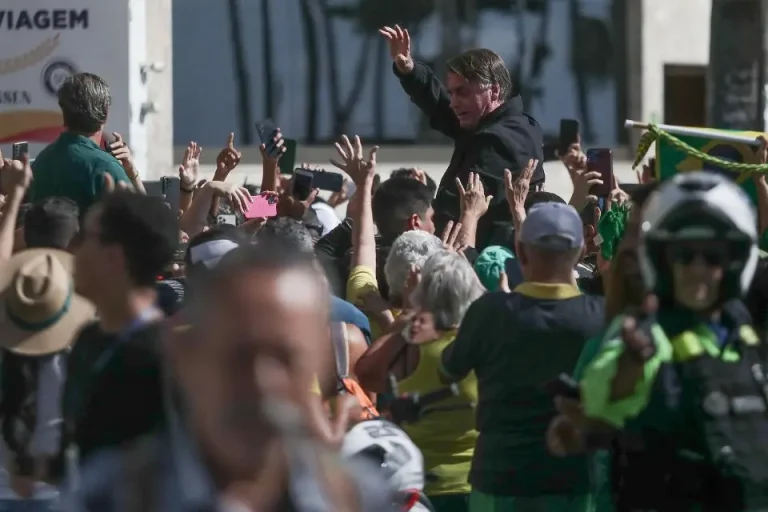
column 601, row 160
column 107, row 139
column 19, row 149
column 288, row 160
column 324, row 180
column 569, row 134
column 302, row 183
column 267, row 130
column 170, row 187
column 564, row 386
column 180, row 252
column 230, row 220
column 262, row 206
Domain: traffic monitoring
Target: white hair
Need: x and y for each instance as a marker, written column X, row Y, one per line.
column 448, row 286
column 410, row 248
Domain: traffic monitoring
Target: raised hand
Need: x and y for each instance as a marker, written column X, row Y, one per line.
column 238, row 197
column 450, row 238
column 472, row 196
column 16, row 175
column 353, row 163
column 122, row 152
column 399, row 47
column 290, row 206
column 637, row 342
column 229, row 157
column 190, row 166
column 516, row 189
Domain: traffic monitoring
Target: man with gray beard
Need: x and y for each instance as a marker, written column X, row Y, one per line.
column 243, row 430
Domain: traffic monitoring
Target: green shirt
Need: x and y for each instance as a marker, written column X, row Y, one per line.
column 677, row 339
column 73, row 166
column 515, row 343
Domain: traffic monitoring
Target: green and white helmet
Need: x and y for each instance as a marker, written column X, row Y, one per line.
column 699, row 206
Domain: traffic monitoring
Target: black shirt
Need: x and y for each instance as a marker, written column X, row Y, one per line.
column 113, row 391
column 515, row 343
column 505, row 139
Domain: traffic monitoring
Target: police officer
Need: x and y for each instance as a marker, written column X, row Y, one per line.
column 684, row 379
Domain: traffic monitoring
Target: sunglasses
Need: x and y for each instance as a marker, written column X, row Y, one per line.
column 713, row 256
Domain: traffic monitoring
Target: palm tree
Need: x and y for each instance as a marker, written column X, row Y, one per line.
column 242, row 77
column 269, row 72
column 313, row 69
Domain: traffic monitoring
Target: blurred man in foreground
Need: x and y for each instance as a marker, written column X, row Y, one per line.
column 240, row 436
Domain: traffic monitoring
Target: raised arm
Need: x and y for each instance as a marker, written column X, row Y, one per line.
column 420, row 83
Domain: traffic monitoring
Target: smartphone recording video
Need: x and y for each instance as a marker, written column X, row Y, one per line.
column 302, row 183
column 19, row 149
column 601, row 160
column 330, row 181
column 263, row 206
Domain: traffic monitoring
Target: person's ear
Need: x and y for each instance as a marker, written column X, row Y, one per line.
column 414, row 222
column 495, row 92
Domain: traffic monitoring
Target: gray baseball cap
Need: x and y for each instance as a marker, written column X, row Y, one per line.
column 553, row 226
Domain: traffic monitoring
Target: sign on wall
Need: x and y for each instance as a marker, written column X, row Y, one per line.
column 41, row 44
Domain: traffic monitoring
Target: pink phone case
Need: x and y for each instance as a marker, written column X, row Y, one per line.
column 261, row 207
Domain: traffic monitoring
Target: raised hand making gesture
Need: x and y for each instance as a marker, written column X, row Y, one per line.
column 228, row 158
column 353, row 163
column 399, row 47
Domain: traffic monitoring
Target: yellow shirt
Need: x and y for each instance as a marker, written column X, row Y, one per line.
column 446, row 437
column 362, row 281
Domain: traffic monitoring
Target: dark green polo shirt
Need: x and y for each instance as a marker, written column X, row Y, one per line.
column 73, row 166
column 515, row 343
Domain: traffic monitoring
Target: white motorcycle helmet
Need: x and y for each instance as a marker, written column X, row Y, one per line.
column 699, row 206
column 386, row 445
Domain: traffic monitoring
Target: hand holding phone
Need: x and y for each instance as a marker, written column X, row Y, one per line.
column 302, row 184
column 19, row 149
column 271, row 139
column 263, row 206
column 600, row 160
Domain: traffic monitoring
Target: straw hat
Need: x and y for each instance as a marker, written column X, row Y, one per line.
column 40, row 313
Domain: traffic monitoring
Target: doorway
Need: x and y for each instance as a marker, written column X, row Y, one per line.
column 685, row 95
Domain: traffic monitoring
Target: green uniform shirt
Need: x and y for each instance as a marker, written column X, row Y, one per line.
column 516, row 342
column 73, row 166
column 690, row 339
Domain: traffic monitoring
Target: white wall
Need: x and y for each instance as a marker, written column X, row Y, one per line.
column 673, row 32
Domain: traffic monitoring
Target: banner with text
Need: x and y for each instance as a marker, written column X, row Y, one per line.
column 41, row 45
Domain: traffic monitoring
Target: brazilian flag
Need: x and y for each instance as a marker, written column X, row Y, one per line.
column 671, row 160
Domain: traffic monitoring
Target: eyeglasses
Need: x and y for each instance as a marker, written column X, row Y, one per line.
column 711, row 255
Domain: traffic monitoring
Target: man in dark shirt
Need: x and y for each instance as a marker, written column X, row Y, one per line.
column 74, row 165
column 400, row 204
column 481, row 111
column 113, row 389
column 515, row 343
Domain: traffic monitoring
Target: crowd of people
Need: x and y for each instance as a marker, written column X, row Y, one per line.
column 477, row 345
